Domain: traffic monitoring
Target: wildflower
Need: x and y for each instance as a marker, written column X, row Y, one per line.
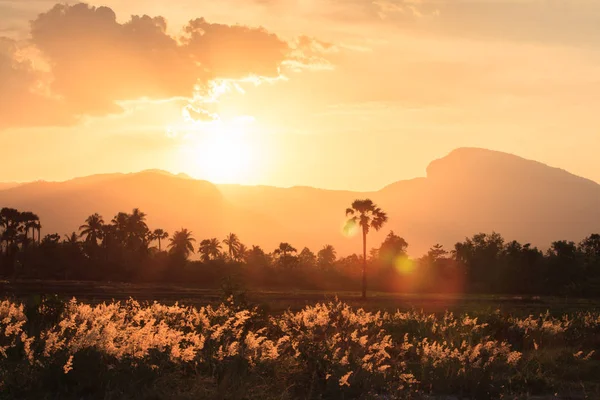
column 69, row 365
column 513, row 357
column 344, row 379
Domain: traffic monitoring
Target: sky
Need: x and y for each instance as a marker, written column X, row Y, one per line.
column 339, row 94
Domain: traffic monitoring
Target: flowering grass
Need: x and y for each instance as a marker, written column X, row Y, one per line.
column 329, row 350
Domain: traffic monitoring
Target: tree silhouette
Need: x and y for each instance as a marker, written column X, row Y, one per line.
column 72, row 239
column 242, row 252
column 326, row 256
column 138, row 229
column 210, row 249
column 392, row 247
column 10, row 220
column 31, row 222
column 284, row 249
column 181, row 243
column 51, row 239
column 37, row 225
column 307, row 258
column 285, row 257
column 131, row 229
column 233, row 243
column 436, row 253
column 257, row 257
column 159, row 235
column 480, row 256
column 367, row 215
column 92, row 229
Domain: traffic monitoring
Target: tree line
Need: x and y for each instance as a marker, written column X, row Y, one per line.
column 127, row 249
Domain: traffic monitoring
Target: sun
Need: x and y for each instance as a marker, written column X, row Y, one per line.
column 221, row 151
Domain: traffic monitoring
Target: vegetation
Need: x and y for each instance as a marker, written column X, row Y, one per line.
column 129, row 350
column 365, row 215
column 52, row 349
column 127, row 250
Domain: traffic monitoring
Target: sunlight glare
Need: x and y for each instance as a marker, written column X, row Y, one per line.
column 221, row 151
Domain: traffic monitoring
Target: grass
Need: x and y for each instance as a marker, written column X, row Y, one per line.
column 291, row 345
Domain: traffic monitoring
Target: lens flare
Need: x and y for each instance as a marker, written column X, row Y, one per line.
column 404, row 265
column 349, row 228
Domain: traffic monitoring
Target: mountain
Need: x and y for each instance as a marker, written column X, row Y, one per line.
column 468, row 191
column 8, row 185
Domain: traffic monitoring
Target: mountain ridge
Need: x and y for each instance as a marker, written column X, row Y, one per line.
column 458, row 151
column 466, row 192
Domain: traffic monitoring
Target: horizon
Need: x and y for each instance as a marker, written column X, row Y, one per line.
column 187, row 176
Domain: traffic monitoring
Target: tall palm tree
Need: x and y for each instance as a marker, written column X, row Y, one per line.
column 233, row 243
column 367, row 215
column 159, row 235
column 181, row 243
column 210, row 249
column 37, row 225
column 92, row 229
column 28, row 224
column 29, row 221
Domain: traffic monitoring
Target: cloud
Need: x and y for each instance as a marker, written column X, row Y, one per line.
column 234, row 51
column 378, row 11
column 311, row 53
column 22, row 97
column 97, row 62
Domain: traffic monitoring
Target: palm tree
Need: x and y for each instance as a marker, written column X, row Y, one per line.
column 92, row 229
column 284, row 249
column 326, row 256
column 29, row 221
column 37, row 225
column 242, row 252
column 233, row 243
column 159, row 235
column 181, row 243
column 121, row 221
column 367, row 215
column 10, row 219
column 72, row 239
column 210, row 249
column 29, row 224
column 137, row 224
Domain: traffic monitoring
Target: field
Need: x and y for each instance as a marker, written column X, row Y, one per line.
column 116, row 342
column 279, row 301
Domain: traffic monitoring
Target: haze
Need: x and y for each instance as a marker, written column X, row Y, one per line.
column 332, row 94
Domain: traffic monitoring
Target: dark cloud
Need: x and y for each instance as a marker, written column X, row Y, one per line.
column 96, row 61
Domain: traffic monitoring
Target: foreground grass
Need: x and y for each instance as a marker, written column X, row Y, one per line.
column 124, row 350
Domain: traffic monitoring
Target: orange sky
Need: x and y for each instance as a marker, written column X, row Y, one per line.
column 347, row 94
